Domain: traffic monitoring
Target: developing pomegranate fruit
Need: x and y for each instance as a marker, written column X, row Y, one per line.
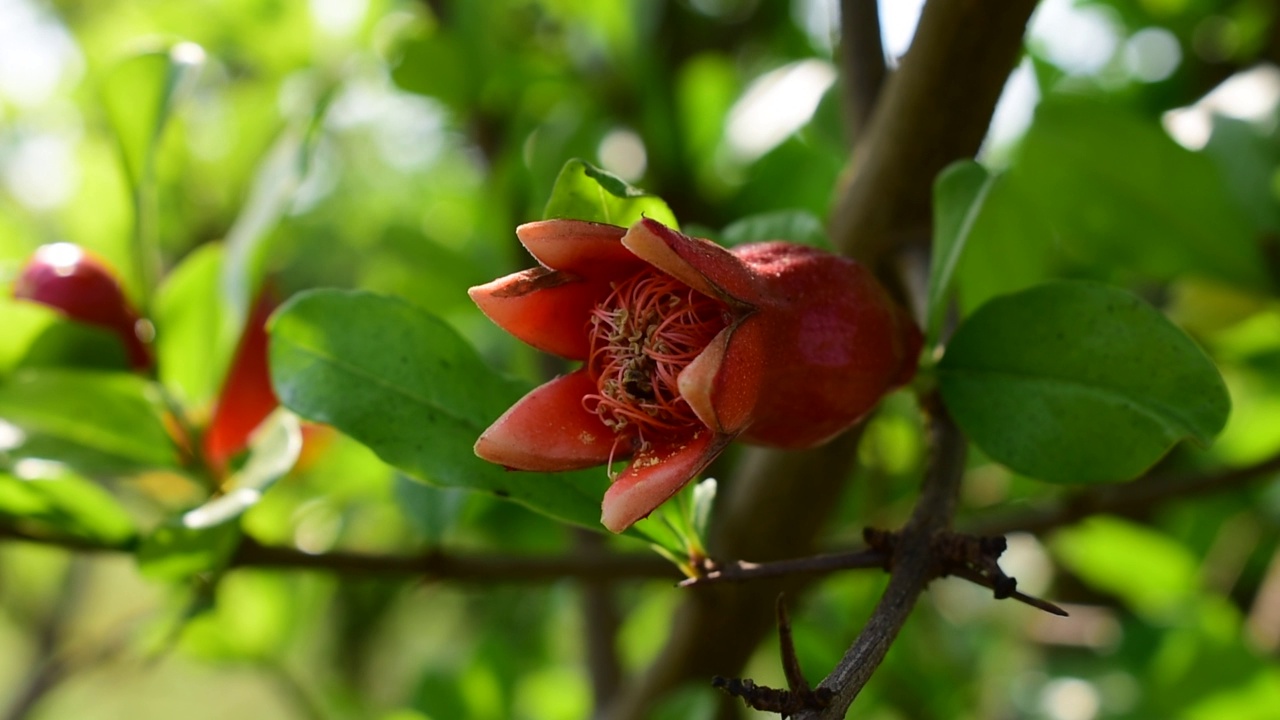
column 686, row 346
column 65, row 277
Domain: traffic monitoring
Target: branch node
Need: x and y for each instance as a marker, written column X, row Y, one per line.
column 797, row 697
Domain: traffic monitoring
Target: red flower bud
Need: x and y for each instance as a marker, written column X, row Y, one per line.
column 686, row 346
column 65, row 277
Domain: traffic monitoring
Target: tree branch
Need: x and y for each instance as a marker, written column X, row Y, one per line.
column 913, row 564
column 462, row 567
column 934, row 110
column 437, row 565
column 1126, row 499
column 862, row 63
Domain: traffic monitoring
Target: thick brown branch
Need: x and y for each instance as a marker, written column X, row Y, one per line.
column 933, row 111
column 862, row 64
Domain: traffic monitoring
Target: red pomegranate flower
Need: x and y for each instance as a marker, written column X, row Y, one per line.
column 686, row 346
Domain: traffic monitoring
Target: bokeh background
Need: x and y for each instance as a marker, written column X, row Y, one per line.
column 393, row 146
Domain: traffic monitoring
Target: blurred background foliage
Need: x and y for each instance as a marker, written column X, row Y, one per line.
column 393, row 146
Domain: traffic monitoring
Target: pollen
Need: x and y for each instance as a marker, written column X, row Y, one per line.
column 644, row 333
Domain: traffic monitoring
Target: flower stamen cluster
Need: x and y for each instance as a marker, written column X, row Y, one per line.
column 642, row 335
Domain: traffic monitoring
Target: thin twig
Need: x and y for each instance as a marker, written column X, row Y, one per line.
column 913, row 564
column 463, row 567
column 1138, row 496
column 741, row 570
column 438, row 565
column 51, row 667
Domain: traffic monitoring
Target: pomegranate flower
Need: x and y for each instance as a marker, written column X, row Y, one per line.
column 686, row 346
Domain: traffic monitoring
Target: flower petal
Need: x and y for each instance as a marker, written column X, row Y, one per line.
column 550, row 431
column 584, row 248
column 698, row 263
column 723, row 383
column 547, row 309
column 656, row 474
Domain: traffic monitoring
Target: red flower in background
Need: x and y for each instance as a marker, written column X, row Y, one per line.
column 65, row 277
column 686, row 346
column 246, row 398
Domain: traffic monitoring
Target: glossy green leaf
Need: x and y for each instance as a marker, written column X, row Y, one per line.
column 97, row 422
column 1149, row 570
column 54, row 499
column 958, row 196
column 797, row 226
column 1079, row 382
column 408, row 386
column 191, row 355
column 585, row 192
column 1123, row 196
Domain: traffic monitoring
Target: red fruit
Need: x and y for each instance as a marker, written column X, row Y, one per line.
column 65, row 277
column 247, row 397
column 687, row 346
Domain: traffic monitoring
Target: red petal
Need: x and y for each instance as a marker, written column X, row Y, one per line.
column 722, row 384
column 545, row 308
column 656, row 474
column 698, row 263
column 549, row 431
column 585, row 248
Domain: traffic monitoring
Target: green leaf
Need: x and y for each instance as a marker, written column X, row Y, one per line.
column 275, row 185
column 56, row 499
column 585, row 192
column 140, row 94
column 1151, row 572
column 1009, row 248
column 409, row 387
column 202, row 539
column 797, row 226
column 24, row 323
column 431, row 511
column 66, row 343
column 1247, row 159
column 190, row 356
column 37, row 335
column 100, row 423
column 1078, row 382
column 1122, row 195
column 958, row 196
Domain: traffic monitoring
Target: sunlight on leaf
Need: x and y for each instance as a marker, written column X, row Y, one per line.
column 1078, row 382
column 585, row 192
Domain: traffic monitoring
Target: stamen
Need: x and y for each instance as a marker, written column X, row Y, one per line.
column 649, row 329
